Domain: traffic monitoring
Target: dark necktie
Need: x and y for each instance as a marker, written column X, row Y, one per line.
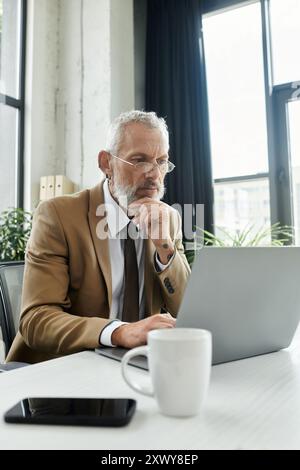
column 130, row 311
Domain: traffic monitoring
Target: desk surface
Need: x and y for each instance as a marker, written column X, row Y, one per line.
column 252, row 404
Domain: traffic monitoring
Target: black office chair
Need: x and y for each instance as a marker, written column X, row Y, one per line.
column 11, row 280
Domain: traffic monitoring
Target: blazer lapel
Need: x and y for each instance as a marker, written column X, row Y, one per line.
column 97, row 223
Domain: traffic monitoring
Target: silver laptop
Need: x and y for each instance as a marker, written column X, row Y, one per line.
column 249, row 298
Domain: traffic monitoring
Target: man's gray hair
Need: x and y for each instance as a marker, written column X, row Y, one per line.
column 118, row 126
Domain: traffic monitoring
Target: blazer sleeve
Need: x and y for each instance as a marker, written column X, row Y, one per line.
column 45, row 324
column 174, row 278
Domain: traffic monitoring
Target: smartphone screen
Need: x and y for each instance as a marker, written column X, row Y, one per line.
column 73, row 411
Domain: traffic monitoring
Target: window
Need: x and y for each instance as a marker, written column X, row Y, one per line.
column 294, row 141
column 253, row 85
column 242, row 203
column 236, row 96
column 285, row 28
column 12, row 47
column 285, row 35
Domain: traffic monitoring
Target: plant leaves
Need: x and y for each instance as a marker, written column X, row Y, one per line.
column 15, row 228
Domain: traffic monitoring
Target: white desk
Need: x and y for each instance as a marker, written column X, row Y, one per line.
column 252, row 404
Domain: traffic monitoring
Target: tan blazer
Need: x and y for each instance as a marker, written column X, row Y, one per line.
column 67, row 288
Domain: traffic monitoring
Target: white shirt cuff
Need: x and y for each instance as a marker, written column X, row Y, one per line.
column 105, row 337
column 161, row 267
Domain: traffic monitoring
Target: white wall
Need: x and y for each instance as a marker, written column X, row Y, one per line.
column 41, row 155
column 122, row 56
column 80, row 74
column 84, row 86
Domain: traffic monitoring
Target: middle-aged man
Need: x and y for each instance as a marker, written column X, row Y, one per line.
column 95, row 276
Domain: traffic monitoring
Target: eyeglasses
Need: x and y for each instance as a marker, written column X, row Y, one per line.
column 164, row 166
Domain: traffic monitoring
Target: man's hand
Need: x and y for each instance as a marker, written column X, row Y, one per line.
column 153, row 217
column 135, row 334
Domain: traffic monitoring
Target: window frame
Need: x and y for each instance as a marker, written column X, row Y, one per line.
column 282, row 95
column 276, row 97
column 212, row 6
column 19, row 104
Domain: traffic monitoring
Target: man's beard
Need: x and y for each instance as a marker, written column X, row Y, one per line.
column 126, row 194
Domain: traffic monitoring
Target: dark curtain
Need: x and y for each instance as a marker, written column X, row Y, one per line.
column 176, row 90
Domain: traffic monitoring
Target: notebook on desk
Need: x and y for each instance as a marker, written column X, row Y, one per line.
column 249, row 298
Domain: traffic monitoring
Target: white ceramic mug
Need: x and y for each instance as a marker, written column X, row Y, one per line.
column 179, row 365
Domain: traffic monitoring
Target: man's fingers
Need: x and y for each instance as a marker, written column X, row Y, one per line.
column 168, row 316
column 168, row 322
column 132, row 211
column 161, row 325
column 163, row 316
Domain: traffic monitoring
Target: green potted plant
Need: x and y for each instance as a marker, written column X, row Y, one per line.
column 15, row 227
column 274, row 235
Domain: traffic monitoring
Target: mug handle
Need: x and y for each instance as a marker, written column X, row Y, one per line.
column 140, row 351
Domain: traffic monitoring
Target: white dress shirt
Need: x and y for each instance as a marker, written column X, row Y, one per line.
column 117, row 222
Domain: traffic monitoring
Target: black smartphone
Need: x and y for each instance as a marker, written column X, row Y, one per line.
column 73, row 411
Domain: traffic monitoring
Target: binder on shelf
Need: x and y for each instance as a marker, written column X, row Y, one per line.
column 50, row 187
column 63, row 185
column 43, row 188
column 55, row 185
